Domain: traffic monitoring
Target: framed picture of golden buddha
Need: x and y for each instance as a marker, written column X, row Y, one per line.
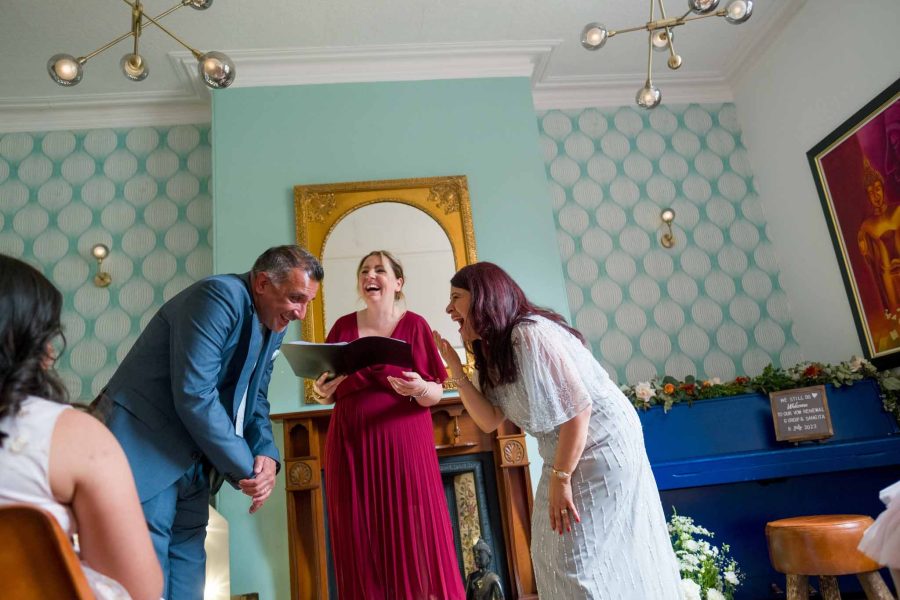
column 857, row 173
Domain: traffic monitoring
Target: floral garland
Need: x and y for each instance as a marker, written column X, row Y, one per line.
column 668, row 391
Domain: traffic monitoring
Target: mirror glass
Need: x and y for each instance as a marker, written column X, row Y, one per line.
column 418, row 242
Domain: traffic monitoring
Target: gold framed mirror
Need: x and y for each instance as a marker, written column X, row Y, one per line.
column 425, row 222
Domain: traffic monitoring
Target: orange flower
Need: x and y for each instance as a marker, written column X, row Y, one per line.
column 812, row 371
column 668, row 388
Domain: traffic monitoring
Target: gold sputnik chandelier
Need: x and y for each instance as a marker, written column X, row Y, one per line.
column 216, row 69
column 594, row 36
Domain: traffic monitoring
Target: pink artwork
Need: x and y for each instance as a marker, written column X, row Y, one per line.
column 857, row 173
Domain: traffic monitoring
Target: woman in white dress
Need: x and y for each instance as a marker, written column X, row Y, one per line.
column 60, row 459
column 881, row 541
column 598, row 530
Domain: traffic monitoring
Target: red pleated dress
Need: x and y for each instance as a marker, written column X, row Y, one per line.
column 387, row 514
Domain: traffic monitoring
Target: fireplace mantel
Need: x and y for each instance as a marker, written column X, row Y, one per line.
column 455, row 434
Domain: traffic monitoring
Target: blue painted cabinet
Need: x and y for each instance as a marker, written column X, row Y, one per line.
column 718, row 462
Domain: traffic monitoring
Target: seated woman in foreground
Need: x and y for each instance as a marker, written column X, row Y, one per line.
column 598, row 529
column 60, row 459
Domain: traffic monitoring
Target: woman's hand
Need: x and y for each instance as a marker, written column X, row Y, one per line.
column 562, row 509
column 413, row 385
column 448, row 353
column 324, row 388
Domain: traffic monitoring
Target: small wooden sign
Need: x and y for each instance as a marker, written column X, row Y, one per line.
column 801, row 414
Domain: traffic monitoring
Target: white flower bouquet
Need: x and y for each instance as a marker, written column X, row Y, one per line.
column 707, row 572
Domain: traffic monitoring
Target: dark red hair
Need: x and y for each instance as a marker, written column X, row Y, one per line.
column 497, row 305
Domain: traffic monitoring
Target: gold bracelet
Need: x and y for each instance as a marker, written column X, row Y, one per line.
column 560, row 474
column 457, row 380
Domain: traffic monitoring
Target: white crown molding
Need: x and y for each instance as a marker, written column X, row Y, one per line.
column 101, row 111
column 407, row 62
column 401, row 62
column 619, row 90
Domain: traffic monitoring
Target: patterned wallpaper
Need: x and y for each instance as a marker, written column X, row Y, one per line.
column 713, row 305
column 144, row 193
column 710, row 306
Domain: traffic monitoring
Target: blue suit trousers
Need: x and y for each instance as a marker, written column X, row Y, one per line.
column 177, row 518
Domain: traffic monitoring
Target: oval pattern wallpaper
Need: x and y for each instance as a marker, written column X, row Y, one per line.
column 712, row 305
column 144, row 193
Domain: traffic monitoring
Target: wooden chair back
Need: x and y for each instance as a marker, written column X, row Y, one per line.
column 37, row 557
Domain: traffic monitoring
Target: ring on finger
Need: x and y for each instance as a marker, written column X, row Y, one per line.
column 564, row 511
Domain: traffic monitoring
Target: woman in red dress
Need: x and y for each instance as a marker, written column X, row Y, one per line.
column 387, row 513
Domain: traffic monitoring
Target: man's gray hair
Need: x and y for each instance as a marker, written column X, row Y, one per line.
column 278, row 261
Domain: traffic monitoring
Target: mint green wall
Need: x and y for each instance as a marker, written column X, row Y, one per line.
column 711, row 306
column 266, row 140
column 144, row 193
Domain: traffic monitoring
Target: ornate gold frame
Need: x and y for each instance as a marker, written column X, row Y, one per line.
column 319, row 208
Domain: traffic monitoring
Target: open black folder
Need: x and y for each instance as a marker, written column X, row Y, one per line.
column 309, row 360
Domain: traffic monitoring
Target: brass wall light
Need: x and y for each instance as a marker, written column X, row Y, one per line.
column 668, row 238
column 102, row 278
column 215, row 69
column 594, row 36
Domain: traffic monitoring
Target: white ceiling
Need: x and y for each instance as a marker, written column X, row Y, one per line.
column 300, row 41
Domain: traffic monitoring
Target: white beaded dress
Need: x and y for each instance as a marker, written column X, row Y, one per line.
column 621, row 548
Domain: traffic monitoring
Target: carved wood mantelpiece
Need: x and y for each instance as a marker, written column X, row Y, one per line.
column 455, row 434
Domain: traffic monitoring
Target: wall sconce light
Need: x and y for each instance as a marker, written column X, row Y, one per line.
column 216, row 69
column 102, row 278
column 668, row 238
column 594, row 36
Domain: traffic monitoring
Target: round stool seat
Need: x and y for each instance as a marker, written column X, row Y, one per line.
column 819, row 545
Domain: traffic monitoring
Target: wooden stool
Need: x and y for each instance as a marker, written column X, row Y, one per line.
column 823, row 546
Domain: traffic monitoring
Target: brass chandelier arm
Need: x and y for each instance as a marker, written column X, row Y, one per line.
column 215, row 69
column 197, row 54
column 650, row 47
column 672, row 55
column 136, row 12
column 718, row 13
column 661, row 36
column 652, row 25
column 87, row 57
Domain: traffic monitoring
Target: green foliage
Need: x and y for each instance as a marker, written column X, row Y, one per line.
column 668, row 391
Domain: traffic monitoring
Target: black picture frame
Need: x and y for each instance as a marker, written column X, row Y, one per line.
column 846, row 167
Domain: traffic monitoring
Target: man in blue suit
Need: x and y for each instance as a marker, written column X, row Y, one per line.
column 189, row 402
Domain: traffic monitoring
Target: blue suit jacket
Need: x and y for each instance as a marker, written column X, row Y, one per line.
column 177, row 393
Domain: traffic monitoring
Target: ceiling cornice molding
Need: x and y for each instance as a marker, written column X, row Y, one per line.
column 619, row 90
column 358, row 64
column 405, row 62
column 400, row 62
column 101, row 111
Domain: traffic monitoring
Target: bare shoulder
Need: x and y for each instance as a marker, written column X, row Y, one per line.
column 81, row 449
column 84, row 442
column 77, row 424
